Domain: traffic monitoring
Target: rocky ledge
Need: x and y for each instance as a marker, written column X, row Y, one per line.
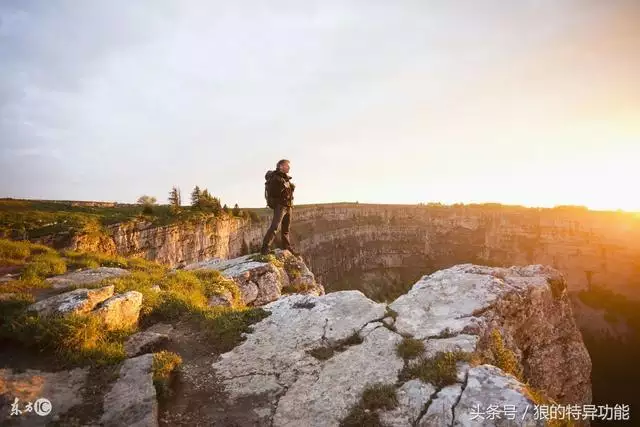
column 262, row 279
column 316, row 359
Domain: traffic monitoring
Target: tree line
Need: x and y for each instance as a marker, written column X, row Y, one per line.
column 201, row 200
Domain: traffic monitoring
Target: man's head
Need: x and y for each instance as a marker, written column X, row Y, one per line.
column 283, row 166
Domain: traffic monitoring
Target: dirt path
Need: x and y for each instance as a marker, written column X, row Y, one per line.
column 198, row 397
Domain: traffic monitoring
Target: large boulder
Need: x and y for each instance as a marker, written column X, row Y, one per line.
column 85, row 277
column 62, row 389
column 78, row 301
column 263, row 279
column 120, row 311
column 131, row 401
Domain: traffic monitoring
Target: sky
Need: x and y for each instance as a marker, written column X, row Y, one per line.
column 535, row 103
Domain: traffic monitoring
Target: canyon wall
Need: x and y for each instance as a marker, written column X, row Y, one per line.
column 379, row 245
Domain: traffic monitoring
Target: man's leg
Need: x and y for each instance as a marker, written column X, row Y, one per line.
column 286, row 222
column 278, row 213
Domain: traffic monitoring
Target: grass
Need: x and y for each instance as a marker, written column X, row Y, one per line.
column 80, row 340
column 270, row 258
column 326, row 352
column 503, row 357
column 42, row 266
column 410, row 348
column 224, row 326
column 164, row 364
column 32, row 219
column 75, row 340
column 439, row 370
column 375, row 397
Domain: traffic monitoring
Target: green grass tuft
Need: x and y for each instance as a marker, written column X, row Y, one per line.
column 225, row 326
column 375, row 397
column 42, row 266
column 502, row 357
column 410, row 348
column 439, row 370
column 164, row 364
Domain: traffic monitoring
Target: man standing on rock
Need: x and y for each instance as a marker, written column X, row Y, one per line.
column 279, row 194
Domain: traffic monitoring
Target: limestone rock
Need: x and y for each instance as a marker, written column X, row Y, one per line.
column 63, row 389
column 85, row 277
column 144, row 342
column 78, row 301
column 439, row 412
column 225, row 298
column 413, row 396
column 132, row 398
column 463, row 342
column 120, row 311
column 309, row 361
column 529, row 308
column 487, row 385
column 329, row 393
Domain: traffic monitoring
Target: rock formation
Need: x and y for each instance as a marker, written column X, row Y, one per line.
column 263, row 279
column 115, row 311
column 321, row 353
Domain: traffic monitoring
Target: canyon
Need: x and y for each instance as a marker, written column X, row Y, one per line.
column 383, row 249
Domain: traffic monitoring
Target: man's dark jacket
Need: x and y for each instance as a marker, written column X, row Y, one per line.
column 281, row 188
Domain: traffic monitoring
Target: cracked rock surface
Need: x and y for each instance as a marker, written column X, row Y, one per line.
column 309, row 361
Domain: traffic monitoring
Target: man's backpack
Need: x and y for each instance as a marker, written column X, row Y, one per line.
column 271, row 201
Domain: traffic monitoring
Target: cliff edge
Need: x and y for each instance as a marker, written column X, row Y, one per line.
column 461, row 340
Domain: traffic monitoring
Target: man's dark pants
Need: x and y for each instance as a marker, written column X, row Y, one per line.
column 281, row 215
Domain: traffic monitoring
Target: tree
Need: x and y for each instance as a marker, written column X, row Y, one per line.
column 146, row 200
column 236, row 210
column 226, row 209
column 147, row 203
column 210, row 203
column 175, row 200
column 195, row 197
